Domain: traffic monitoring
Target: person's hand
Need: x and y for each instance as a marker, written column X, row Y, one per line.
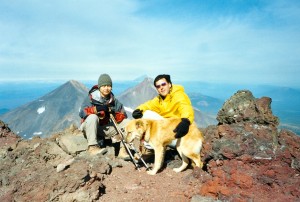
column 182, row 128
column 137, row 114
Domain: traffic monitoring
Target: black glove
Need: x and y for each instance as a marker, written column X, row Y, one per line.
column 182, row 128
column 137, row 114
column 100, row 108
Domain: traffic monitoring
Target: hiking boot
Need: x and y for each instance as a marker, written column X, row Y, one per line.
column 95, row 149
column 101, row 143
column 123, row 154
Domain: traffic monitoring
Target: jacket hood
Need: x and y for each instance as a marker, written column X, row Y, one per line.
column 176, row 88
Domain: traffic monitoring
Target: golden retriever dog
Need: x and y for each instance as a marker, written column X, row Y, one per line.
column 159, row 134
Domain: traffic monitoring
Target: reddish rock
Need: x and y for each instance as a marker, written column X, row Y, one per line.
column 7, row 137
column 259, row 162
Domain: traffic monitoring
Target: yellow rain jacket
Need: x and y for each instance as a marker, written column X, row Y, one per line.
column 175, row 104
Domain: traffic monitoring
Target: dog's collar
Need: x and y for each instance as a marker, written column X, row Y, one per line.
column 143, row 137
column 142, row 142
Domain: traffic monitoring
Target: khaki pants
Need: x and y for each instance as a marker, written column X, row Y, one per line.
column 94, row 132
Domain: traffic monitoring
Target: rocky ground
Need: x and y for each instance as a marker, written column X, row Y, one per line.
column 130, row 184
column 246, row 159
column 39, row 170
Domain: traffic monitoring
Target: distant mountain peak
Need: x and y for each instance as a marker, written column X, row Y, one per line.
column 138, row 94
column 68, row 88
column 148, row 80
column 141, row 78
column 76, row 84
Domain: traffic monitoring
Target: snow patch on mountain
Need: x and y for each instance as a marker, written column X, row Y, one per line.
column 41, row 109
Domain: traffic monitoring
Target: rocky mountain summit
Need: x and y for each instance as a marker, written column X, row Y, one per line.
column 246, row 158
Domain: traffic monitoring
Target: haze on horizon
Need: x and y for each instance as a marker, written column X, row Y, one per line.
column 226, row 41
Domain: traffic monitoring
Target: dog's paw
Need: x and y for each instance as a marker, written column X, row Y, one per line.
column 177, row 170
column 151, row 172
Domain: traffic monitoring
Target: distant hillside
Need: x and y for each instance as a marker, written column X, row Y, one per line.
column 138, row 94
column 206, row 104
column 203, row 120
column 51, row 113
column 3, row 111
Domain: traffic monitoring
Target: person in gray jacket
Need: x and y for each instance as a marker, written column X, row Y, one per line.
column 95, row 117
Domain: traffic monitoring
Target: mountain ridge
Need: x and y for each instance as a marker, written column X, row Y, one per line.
column 59, row 109
column 281, row 103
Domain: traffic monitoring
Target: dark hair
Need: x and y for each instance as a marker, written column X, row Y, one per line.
column 162, row 76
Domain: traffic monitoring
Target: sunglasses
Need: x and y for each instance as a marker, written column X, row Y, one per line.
column 162, row 84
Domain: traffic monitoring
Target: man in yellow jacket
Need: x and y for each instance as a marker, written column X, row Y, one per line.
column 171, row 101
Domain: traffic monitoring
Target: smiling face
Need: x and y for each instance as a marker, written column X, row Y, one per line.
column 163, row 87
column 105, row 90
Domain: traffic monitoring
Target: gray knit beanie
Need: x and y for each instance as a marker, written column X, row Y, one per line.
column 104, row 80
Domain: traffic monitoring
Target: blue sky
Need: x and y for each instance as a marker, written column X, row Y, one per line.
column 224, row 41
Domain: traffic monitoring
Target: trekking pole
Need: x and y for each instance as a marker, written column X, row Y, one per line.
column 131, row 145
column 139, row 155
column 123, row 142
